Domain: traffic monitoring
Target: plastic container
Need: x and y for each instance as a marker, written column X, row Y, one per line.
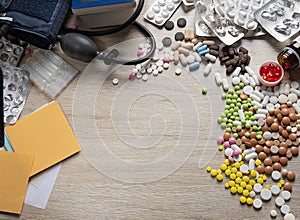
column 270, row 73
column 289, row 57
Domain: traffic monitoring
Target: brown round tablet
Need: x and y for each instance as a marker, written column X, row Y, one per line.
column 286, row 120
column 259, row 148
column 226, row 136
column 283, row 161
column 268, row 162
column 242, row 133
column 267, row 150
column 268, row 170
column 285, row 133
column 262, row 156
column 269, row 120
column 293, row 116
column 260, row 169
column 288, row 186
column 275, row 158
column 269, row 143
column 276, row 111
column 277, row 166
column 279, row 117
column 291, row 175
column 283, row 144
column 294, row 150
column 292, row 136
column 261, row 141
column 275, row 126
column 253, row 134
column 253, row 142
column 265, row 128
column 282, row 151
column 280, row 129
column 284, row 111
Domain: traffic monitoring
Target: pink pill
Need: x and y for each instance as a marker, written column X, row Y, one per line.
column 132, row 76
column 226, row 144
column 232, row 140
column 235, row 153
column 230, row 158
column 166, row 60
column 140, row 53
column 220, row 140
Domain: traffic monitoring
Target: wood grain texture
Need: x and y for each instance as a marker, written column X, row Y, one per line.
column 188, row 192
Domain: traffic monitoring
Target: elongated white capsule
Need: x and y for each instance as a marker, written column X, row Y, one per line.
column 252, row 155
column 218, row 78
column 249, row 70
column 207, row 69
column 236, row 72
column 241, row 115
column 225, row 84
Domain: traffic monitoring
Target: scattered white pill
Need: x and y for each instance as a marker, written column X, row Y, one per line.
column 289, row 216
column 257, row 187
column 115, row 81
column 285, row 209
column 265, row 194
column 279, row 201
column 276, row 175
column 257, row 203
column 145, row 77
column 292, row 97
column 273, row 213
column 177, row 71
column 294, row 84
column 252, row 194
column 218, row 78
column 226, row 84
column 155, row 72
column 248, row 90
column 275, row 190
column 286, row 195
column 236, row 80
column 282, row 99
column 207, row 69
column 139, row 75
column 273, row 100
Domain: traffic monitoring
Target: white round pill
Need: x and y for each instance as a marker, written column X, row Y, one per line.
column 170, row 6
column 236, row 80
column 145, row 77
column 270, row 106
column 115, row 81
column 286, row 195
column 162, row 2
column 251, row 25
column 159, row 19
column 248, row 90
column 252, row 194
column 292, row 97
column 165, row 13
column 267, row 135
column 294, row 84
column 149, row 70
column 155, row 72
column 276, row 175
column 156, row 8
column 257, row 203
column 265, row 194
column 279, row 201
column 159, row 63
column 289, row 216
column 139, row 75
column 275, row 190
column 257, row 187
column 177, row 71
column 282, row 99
column 166, row 65
column 228, row 152
column 190, row 59
column 150, row 15
column 273, row 100
column 285, row 209
column 244, row 168
column 273, row 213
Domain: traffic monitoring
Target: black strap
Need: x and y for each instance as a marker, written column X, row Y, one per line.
column 4, row 4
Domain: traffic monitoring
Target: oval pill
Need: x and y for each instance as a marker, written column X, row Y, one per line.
column 207, row 69
column 194, row 66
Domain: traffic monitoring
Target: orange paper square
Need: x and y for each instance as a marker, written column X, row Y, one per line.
column 15, row 169
column 45, row 133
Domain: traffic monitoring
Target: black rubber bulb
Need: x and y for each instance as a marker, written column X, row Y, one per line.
column 79, row 47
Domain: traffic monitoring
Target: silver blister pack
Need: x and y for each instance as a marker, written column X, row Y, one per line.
column 15, row 86
column 280, row 18
column 10, row 53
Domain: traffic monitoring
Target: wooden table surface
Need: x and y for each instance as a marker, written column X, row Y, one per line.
column 146, row 145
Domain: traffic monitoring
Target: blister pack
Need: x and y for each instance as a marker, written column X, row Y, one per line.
column 161, row 10
column 10, row 53
column 240, row 12
column 223, row 28
column 15, row 87
column 280, row 18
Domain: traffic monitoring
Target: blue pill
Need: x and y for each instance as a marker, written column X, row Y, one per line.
column 194, row 66
column 203, row 52
column 201, row 48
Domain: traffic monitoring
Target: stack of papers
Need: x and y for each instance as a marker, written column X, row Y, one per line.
column 39, row 141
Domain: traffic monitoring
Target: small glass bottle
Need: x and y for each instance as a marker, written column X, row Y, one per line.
column 289, row 57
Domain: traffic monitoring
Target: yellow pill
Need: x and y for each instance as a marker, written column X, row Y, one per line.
column 268, row 186
column 243, row 199
column 219, row 177
column 232, row 176
column 279, row 185
column 240, row 190
column 253, row 173
column 234, row 170
column 243, row 184
column 242, row 162
column 221, row 147
column 252, row 182
column 264, row 177
column 227, row 162
column 249, row 187
column 208, row 169
column 257, row 162
column 260, row 180
column 213, row 172
column 282, row 182
column 226, row 185
column 245, row 193
column 249, row 201
column 237, row 165
column 243, row 155
column 239, row 174
column 238, row 180
column 219, row 171
column 231, row 183
column 246, row 179
column 227, row 172
column 223, row 167
column 233, row 190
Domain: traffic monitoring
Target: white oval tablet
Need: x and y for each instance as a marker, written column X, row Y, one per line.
column 265, row 194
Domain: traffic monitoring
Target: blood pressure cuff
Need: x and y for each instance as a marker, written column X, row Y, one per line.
column 35, row 21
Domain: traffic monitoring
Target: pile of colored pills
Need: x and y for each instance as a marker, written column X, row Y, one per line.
column 262, row 129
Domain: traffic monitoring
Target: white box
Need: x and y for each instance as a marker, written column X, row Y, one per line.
column 107, row 15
